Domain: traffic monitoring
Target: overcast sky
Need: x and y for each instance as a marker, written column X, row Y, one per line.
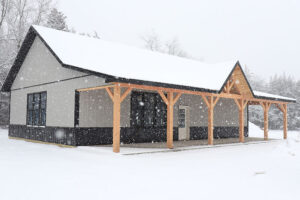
column 262, row 34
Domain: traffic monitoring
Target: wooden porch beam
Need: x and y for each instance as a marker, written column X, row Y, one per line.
column 95, row 88
column 183, row 91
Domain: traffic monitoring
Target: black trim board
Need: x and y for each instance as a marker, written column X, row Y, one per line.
column 76, row 109
column 52, row 82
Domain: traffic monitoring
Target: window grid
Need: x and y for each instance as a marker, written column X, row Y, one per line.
column 36, row 109
column 147, row 110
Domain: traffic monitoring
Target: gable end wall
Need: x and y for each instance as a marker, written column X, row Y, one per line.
column 42, row 72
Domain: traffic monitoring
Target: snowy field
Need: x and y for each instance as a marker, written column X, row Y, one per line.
column 31, row 171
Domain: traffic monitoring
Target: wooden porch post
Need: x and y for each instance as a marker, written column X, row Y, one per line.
column 117, row 100
column 170, row 121
column 285, row 121
column 210, row 125
column 116, row 119
column 210, row 103
column 241, row 129
column 170, row 101
column 266, row 107
column 241, row 106
column 283, row 108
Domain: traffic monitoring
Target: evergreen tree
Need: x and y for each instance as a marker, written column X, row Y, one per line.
column 57, row 20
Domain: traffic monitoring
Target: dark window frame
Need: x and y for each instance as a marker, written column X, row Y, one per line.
column 152, row 104
column 38, row 110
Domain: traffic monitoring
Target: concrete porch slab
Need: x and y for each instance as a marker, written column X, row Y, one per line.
column 160, row 147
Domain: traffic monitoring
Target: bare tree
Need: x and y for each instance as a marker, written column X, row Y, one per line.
column 153, row 42
column 173, row 48
column 4, row 8
column 42, row 10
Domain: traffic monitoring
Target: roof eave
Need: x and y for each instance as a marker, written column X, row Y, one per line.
column 275, row 99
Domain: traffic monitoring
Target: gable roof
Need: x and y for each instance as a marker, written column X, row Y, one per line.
column 122, row 63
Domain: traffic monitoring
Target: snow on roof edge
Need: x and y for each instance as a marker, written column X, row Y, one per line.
column 273, row 96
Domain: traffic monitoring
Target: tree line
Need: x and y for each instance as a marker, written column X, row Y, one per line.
column 283, row 85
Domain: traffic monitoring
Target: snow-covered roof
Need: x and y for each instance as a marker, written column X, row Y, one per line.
column 134, row 63
column 121, row 62
column 259, row 94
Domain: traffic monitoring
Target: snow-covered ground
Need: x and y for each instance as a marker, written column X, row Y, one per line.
column 31, row 171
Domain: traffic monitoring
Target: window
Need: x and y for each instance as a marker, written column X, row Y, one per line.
column 181, row 118
column 147, row 110
column 36, row 109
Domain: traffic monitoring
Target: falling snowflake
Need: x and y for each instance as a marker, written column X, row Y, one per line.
column 59, row 134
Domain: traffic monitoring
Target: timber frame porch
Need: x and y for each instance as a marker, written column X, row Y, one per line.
column 235, row 88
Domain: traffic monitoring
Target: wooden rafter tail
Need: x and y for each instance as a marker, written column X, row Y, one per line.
column 110, row 93
column 124, row 95
column 163, row 96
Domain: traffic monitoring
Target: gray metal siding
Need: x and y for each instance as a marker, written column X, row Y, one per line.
column 60, row 101
column 226, row 113
column 96, row 110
